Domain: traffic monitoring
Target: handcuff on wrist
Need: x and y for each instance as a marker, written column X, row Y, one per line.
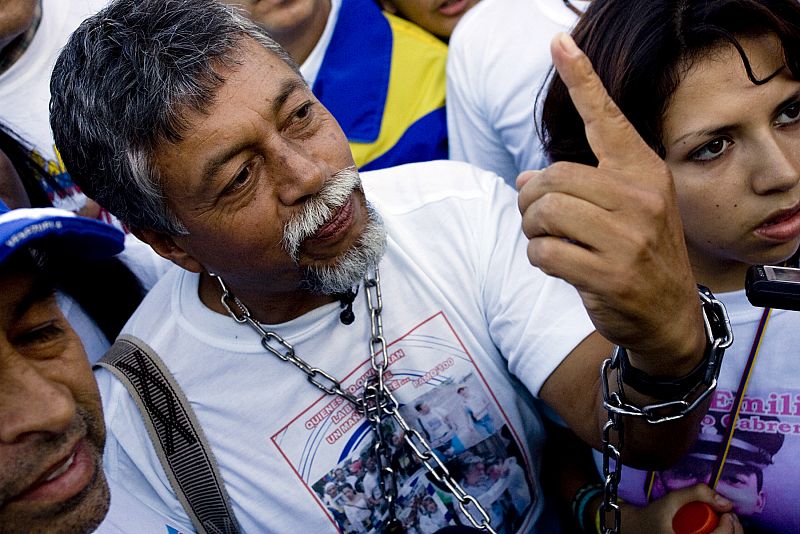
column 680, row 395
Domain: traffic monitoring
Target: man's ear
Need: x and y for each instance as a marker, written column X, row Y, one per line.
column 166, row 247
column 761, row 501
column 388, row 6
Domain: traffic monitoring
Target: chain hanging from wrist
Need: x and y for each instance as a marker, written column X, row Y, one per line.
column 719, row 337
column 377, row 404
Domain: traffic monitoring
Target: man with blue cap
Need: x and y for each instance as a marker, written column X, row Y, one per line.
column 51, row 423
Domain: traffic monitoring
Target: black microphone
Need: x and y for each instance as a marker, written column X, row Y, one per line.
column 346, row 301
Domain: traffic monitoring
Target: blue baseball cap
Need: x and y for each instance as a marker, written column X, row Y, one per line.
column 59, row 231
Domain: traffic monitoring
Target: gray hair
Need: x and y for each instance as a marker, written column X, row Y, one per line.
column 125, row 83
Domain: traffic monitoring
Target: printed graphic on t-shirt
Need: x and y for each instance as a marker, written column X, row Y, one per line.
column 760, row 459
column 443, row 396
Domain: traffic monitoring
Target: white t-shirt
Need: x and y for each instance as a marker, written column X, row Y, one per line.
column 92, row 337
column 129, row 514
column 461, row 307
column 357, row 511
column 371, row 485
column 770, row 408
column 478, row 407
column 499, row 57
column 25, row 88
column 432, row 521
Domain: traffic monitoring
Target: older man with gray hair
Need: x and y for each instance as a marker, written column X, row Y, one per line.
column 196, row 130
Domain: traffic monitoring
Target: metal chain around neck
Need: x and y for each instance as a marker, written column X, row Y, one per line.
column 377, row 404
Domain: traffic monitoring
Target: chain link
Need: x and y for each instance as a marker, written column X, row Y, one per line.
column 719, row 337
column 611, row 478
column 377, row 403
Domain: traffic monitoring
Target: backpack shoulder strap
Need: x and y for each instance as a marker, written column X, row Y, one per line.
column 175, row 433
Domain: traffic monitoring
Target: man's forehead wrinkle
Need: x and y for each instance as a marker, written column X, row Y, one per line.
column 265, row 110
column 190, row 111
column 215, row 136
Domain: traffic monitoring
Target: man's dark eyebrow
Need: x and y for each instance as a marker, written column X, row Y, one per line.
column 288, row 87
column 213, row 166
column 39, row 292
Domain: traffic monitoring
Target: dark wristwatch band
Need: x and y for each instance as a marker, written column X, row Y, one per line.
column 659, row 387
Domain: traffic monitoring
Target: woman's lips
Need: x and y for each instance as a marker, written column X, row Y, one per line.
column 784, row 226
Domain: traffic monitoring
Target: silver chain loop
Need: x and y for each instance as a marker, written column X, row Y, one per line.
column 377, row 403
column 611, row 478
column 719, row 337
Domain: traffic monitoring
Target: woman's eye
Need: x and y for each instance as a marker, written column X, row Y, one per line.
column 711, row 150
column 789, row 115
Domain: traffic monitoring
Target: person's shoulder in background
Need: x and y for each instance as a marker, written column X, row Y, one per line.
column 499, row 59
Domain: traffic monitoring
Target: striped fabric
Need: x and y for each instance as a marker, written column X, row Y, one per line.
column 383, row 79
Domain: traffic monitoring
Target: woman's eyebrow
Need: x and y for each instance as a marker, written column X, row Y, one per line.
column 795, row 97
column 707, row 132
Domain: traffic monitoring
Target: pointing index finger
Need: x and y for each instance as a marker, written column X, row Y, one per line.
column 613, row 139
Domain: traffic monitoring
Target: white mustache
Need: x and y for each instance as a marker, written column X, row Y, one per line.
column 319, row 209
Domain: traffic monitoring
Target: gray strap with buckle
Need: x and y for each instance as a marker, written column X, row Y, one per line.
column 175, row 433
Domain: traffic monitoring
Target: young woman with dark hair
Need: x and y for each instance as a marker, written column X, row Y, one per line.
column 713, row 87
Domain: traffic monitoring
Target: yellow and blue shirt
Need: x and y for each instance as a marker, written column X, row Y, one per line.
column 383, row 79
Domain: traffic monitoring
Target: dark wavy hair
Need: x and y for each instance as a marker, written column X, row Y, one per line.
column 641, row 49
